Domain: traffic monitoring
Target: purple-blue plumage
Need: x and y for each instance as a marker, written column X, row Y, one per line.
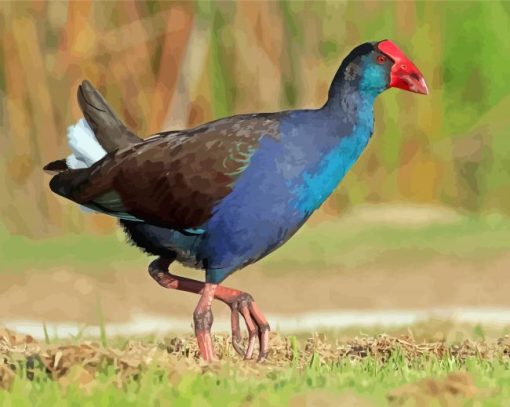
column 286, row 179
column 227, row 193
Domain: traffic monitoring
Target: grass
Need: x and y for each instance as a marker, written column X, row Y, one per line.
column 349, row 243
column 342, row 383
column 341, row 243
column 360, row 371
column 82, row 251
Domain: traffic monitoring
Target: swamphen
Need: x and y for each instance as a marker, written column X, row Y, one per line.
column 227, row 193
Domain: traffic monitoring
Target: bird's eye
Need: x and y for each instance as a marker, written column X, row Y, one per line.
column 403, row 66
column 381, row 59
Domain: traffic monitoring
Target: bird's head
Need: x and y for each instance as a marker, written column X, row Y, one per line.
column 377, row 66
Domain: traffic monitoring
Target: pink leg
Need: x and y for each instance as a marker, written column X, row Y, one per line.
column 238, row 301
column 203, row 319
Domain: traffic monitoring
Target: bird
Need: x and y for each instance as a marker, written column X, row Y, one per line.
column 225, row 194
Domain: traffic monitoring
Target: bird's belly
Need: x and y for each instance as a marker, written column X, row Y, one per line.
column 236, row 242
column 164, row 242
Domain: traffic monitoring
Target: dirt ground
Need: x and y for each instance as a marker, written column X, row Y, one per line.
column 64, row 295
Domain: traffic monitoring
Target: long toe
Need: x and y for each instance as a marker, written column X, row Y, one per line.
column 256, row 324
column 252, row 330
column 236, row 331
column 263, row 329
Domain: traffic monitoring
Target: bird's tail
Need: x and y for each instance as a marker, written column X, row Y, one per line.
column 95, row 135
column 110, row 132
column 84, row 145
column 85, row 148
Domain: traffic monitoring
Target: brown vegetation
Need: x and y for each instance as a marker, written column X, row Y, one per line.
column 175, row 64
column 79, row 362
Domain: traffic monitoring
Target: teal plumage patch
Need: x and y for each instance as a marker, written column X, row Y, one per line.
column 316, row 186
column 110, row 203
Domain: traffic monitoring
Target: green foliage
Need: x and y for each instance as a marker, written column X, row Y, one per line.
column 343, row 243
column 294, row 347
column 341, row 383
column 47, row 340
column 474, row 74
column 222, row 88
column 450, row 147
column 478, row 331
column 348, row 243
column 82, row 250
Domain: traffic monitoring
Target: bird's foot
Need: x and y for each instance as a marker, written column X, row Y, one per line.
column 256, row 324
column 238, row 301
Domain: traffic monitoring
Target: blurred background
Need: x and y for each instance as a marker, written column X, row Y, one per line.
column 430, row 194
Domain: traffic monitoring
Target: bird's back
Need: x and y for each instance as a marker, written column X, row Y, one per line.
column 225, row 193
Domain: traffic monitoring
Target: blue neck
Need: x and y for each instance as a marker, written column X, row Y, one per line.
column 348, row 96
column 349, row 117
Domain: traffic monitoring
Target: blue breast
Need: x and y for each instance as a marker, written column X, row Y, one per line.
column 243, row 225
column 316, row 184
column 286, row 180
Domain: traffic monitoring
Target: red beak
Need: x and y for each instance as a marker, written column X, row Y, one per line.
column 404, row 74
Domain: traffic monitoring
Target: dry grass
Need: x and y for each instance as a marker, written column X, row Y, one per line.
column 181, row 353
column 362, row 371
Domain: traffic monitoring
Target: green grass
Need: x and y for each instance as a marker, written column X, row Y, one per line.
column 72, row 250
column 342, row 243
column 357, row 370
column 347, row 243
column 369, row 380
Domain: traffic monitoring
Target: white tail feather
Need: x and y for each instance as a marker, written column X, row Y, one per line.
column 84, row 145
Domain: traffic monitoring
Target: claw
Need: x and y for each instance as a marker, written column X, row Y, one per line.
column 256, row 325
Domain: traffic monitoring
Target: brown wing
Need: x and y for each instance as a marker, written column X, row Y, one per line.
column 173, row 180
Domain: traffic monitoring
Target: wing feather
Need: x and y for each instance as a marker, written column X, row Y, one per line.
column 175, row 180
